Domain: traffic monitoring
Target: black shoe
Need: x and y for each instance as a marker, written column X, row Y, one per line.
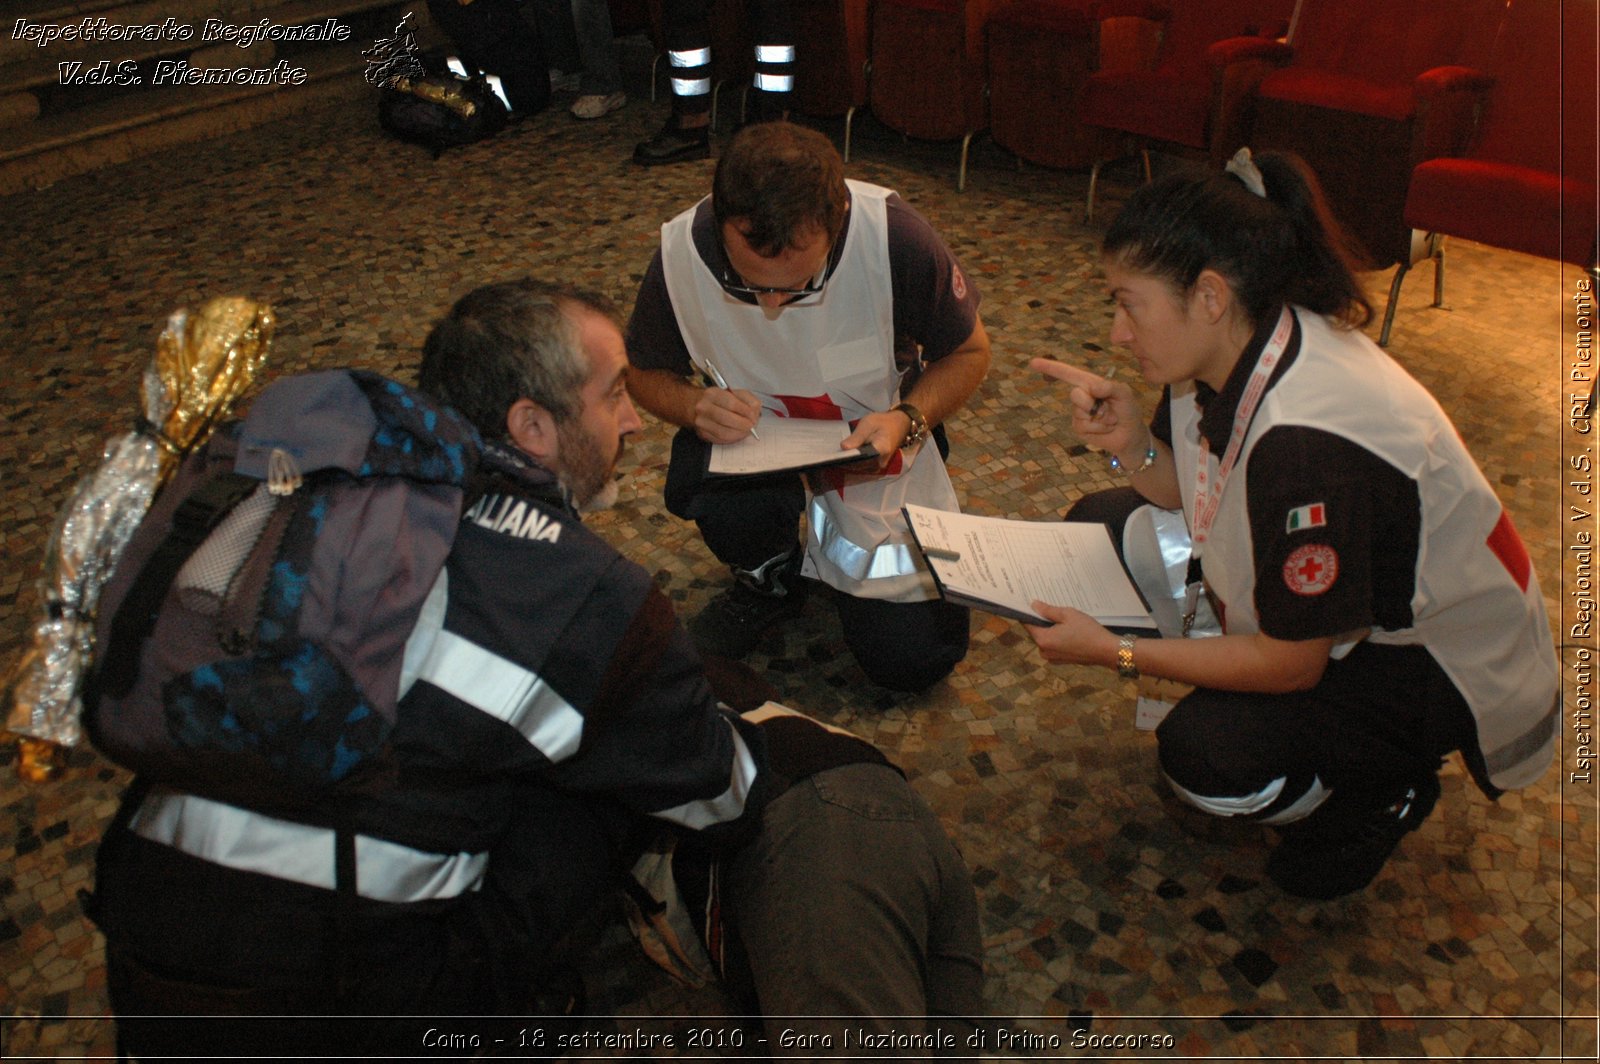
column 674, row 145
column 732, row 623
column 1312, row 863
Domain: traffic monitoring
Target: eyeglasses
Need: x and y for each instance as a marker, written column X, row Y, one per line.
column 731, row 282
column 817, row 284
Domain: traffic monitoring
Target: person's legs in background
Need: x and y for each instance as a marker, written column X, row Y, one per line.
column 600, row 90
column 494, row 36
column 687, row 133
column 772, row 85
column 555, row 19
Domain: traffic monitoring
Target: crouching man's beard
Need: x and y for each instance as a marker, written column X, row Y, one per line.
column 588, row 473
column 604, row 499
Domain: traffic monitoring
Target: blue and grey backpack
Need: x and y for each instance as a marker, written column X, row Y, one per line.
column 250, row 641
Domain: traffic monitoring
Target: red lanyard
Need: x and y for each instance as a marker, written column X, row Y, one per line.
column 1208, row 489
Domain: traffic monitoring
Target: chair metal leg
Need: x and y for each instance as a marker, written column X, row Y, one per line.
column 1436, row 252
column 961, row 176
column 1423, row 246
column 1394, row 302
column 1094, row 178
column 849, row 116
column 654, row 62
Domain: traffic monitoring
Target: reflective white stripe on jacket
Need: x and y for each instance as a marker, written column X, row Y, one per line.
column 253, row 842
column 520, row 697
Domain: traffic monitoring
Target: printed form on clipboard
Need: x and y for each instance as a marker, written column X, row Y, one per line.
column 785, row 444
column 1003, row 566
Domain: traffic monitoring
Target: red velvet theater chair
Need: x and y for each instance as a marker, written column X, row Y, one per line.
column 1040, row 52
column 1374, row 88
column 1525, row 181
column 928, row 72
column 830, row 58
column 1194, row 98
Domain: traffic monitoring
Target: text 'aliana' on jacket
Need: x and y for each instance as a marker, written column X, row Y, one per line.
column 513, row 516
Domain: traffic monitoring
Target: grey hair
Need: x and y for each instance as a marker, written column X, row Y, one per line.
column 509, row 341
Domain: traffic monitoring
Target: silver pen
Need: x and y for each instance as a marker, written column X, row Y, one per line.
column 1100, row 404
column 722, row 382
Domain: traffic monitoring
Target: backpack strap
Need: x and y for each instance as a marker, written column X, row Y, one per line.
column 196, row 516
column 343, row 966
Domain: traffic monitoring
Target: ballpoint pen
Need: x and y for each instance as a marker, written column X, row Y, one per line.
column 722, row 382
column 1100, row 404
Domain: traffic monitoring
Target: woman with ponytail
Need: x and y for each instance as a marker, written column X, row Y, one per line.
column 1374, row 607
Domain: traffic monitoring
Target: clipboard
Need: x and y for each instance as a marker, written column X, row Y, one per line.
column 1000, row 565
column 784, row 445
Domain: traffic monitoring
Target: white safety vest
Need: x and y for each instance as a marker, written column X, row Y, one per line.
column 1483, row 623
column 839, row 345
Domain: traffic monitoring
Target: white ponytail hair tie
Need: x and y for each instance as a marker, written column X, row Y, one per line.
column 1244, row 168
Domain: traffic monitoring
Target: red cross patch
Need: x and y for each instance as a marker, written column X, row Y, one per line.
column 1311, row 569
column 958, row 283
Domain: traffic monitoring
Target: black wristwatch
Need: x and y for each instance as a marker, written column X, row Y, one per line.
column 919, row 425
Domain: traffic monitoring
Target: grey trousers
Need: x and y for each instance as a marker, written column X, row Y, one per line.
column 578, row 38
column 856, row 913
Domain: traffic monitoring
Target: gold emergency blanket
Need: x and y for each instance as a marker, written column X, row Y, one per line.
column 204, row 362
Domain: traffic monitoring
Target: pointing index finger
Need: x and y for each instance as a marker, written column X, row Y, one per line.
column 1065, row 372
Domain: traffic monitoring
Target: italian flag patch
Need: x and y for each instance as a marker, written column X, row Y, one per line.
column 1304, row 517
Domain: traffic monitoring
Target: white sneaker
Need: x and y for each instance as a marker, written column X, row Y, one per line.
column 597, row 106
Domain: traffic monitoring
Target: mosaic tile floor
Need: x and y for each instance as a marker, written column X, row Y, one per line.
column 1106, row 911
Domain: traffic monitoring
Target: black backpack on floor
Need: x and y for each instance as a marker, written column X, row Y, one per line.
column 440, row 111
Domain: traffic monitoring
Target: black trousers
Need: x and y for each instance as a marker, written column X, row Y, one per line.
column 493, row 37
column 686, row 25
column 1379, row 718
column 748, row 521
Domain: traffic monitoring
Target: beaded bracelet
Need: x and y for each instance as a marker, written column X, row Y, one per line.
column 1149, row 460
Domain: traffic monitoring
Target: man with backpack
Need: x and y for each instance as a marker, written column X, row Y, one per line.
column 548, row 706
